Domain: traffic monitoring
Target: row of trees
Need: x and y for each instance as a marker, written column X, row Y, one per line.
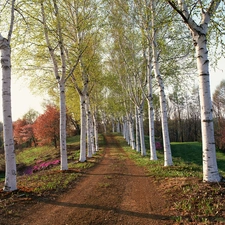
column 109, row 57
column 183, row 119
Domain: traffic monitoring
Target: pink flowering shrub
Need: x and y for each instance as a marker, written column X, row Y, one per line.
column 40, row 165
column 45, row 165
column 158, row 145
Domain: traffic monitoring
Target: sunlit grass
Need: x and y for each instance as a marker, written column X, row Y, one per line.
column 74, row 140
column 195, row 201
column 48, row 176
column 187, row 159
column 30, row 156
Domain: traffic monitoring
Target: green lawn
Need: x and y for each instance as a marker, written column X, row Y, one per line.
column 187, row 160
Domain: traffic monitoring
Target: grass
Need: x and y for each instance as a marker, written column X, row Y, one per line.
column 192, row 199
column 187, row 160
column 75, row 140
column 29, row 156
column 184, row 164
column 51, row 178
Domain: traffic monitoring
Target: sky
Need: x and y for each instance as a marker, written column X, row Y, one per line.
column 217, row 75
column 23, row 100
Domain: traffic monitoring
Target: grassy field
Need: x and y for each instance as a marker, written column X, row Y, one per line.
column 187, row 160
column 45, row 160
column 192, row 199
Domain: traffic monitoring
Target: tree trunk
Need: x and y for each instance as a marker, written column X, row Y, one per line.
column 89, row 150
column 95, row 130
column 118, row 126
column 137, row 131
column 162, row 98
column 127, row 133
column 123, row 127
column 113, row 124
column 141, row 129
column 210, row 169
column 83, row 129
column 153, row 155
column 10, row 157
column 199, row 36
column 93, row 149
column 63, row 150
column 60, row 80
column 165, row 131
column 131, row 131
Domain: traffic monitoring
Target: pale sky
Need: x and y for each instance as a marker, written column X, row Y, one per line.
column 217, row 75
column 23, row 100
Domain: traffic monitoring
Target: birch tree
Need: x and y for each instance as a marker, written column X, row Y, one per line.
column 60, row 78
column 163, row 107
column 127, row 57
column 153, row 155
column 199, row 32
column 10, row 157
column 143, row 17
column 69, row 29
column 83, row 30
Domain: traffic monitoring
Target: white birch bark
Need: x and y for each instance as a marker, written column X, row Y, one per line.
column 138, row 148
column 60, row 80
column 153, row 155
column 83, row 129
column 141, row 129
column 104, row 121
column 63, row 148
column 95, row 121
column 92, row 134
column 113, row 124
column 88, row 124
column 131, row 131
column 90, row 129
column 125, row 130
column 118, row 126
column 83, row 118
column 9, row 149
column 82, row 93
column 165, row 131
column 10, row 157
column 210, row 169
column 163, row 111
column 127, row 136
column 199, row 35
column 124, row 127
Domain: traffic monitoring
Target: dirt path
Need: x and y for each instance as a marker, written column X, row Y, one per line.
column 116, row 191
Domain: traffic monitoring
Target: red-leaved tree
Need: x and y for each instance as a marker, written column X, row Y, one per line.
column 46, row 126
column 17, row 131
column 23, row 133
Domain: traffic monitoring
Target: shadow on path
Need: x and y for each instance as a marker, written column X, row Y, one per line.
column 115, row 210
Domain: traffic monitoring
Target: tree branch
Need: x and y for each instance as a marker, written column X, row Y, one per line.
column 173, row 5
column 11, row 22
column 213, row 7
